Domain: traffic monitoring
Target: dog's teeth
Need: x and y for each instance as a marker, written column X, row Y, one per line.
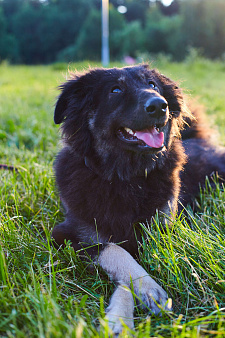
column 129, row 131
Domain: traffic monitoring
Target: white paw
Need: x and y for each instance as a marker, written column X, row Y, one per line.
column 151, row 296
column 116, row 323
column 120, row 310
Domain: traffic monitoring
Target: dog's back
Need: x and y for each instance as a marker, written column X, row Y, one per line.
column 203, row 158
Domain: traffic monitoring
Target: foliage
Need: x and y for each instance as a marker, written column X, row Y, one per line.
column 88, row 43
column 129, row 41
column 50, row 293
column 163, row 34
column 204, row 26
column 45, row 31
column 8, row 43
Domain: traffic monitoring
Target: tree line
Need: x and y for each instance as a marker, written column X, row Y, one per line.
column 46, row 31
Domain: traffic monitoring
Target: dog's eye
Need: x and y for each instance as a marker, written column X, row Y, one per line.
column 152, row 84
column 116, row 90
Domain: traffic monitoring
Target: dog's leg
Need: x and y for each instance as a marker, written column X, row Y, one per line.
column 121, row 306
column 123, row 268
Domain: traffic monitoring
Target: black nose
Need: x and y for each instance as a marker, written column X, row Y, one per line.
column 156, row 106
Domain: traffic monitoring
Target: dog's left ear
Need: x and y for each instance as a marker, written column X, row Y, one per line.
column 174, row 96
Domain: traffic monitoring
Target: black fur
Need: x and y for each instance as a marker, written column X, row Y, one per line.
column 8, row 167
column 109, row 186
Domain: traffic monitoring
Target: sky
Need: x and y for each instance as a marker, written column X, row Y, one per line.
column 166, row 2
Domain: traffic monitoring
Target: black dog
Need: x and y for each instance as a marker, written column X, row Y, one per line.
column 121, row 163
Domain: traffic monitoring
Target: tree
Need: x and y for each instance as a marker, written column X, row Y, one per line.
column 204, row 26
column 8, row 44
column 129, row 41
column 163, row 34
column 88, row 44
column 43, row 29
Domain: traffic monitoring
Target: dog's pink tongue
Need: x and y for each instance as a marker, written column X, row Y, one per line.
column 151, row 137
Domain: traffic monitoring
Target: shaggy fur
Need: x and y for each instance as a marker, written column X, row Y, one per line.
column 203, row 159
column 109, row 181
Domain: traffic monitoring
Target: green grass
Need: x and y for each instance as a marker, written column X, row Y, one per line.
column 45, row 293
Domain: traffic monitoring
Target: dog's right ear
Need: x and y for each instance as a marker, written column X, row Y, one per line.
column 75, row 96
column 63, row 101
column 60, row 109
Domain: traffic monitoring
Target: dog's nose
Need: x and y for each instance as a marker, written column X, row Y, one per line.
column 156, row 106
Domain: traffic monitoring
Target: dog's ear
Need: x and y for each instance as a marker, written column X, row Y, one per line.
column 72, row 110
column 174, row 96
column 70, row 94
column 60, row 108
column 177, row 102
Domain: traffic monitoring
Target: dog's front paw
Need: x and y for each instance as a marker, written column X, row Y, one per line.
column 120, row 310
column 151, row 296
column 115, row 322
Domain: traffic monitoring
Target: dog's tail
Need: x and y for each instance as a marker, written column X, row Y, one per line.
column 8, row 167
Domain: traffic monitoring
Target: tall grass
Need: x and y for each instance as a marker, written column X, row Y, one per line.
column 50, row 293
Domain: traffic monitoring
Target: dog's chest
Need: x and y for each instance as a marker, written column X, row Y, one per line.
column 117, row 202
column 111, row 206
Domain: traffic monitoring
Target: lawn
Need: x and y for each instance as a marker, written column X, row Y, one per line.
column 50, row 293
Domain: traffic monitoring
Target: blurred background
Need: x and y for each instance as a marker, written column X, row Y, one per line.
column 48, row 31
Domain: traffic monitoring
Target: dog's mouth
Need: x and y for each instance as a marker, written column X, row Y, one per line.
column 152, row 137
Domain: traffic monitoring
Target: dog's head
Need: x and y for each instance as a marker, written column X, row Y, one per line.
column 112, row 113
